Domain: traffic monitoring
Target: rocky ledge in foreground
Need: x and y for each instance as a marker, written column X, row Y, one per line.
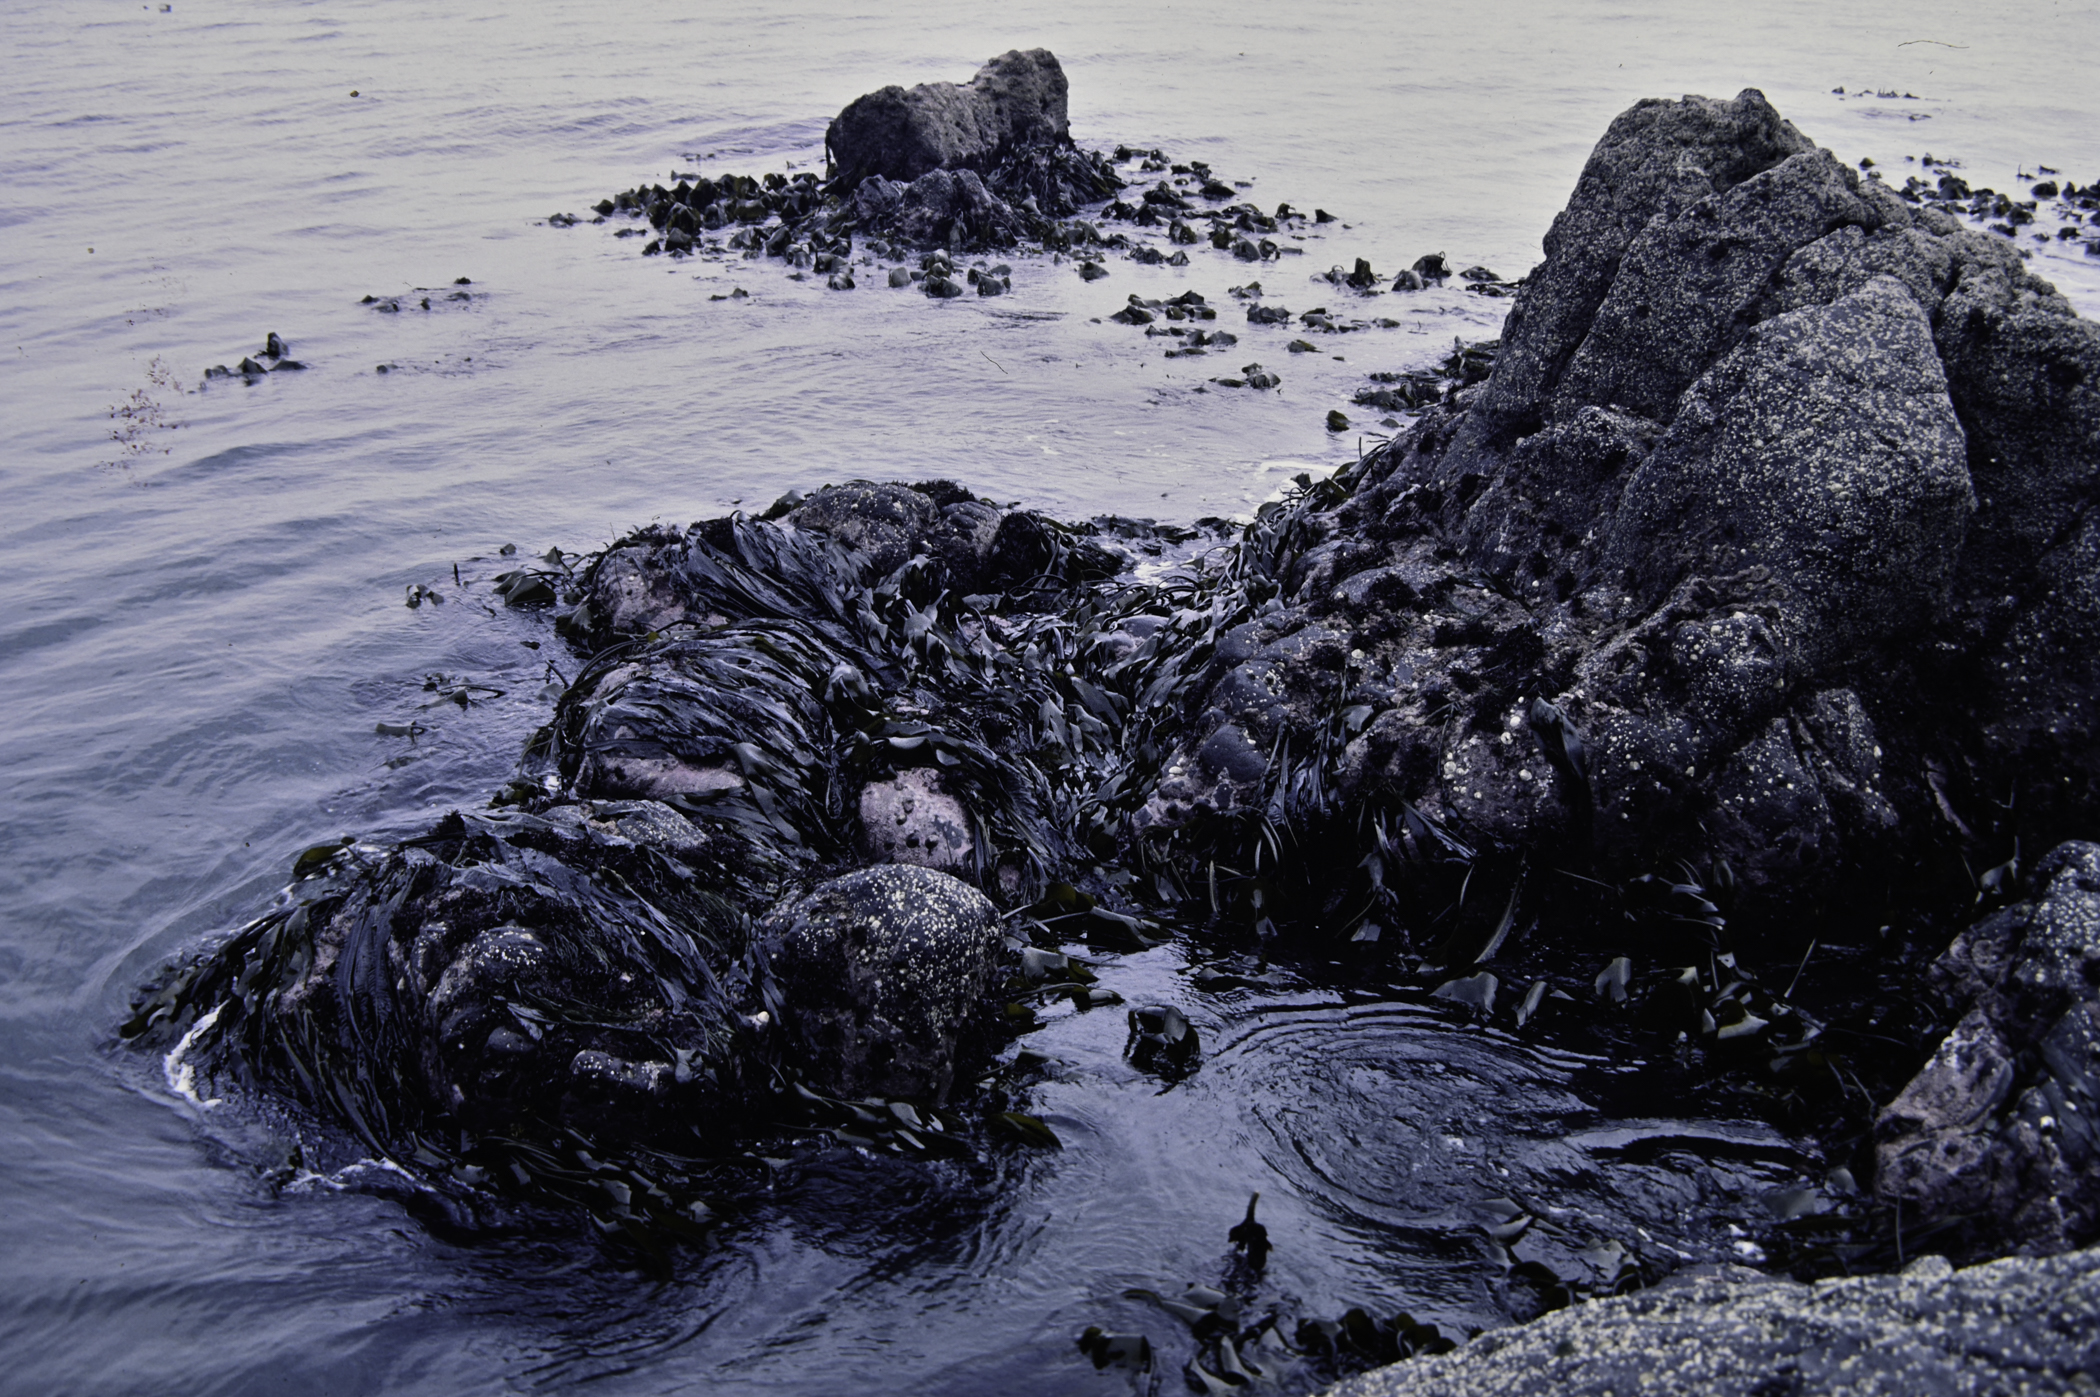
column 2013, row 1326
column 1693, row 658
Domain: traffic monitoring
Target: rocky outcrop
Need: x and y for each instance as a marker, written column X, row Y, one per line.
column 2003, row 1124
column 1749, row 502
column 1015, row 102
column 2014, row 1325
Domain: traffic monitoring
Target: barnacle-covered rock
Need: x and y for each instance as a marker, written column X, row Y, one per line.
column 880, row 978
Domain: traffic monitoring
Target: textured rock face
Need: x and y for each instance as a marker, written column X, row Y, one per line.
column 881, row 974
column 911, row 818
column 1016, row 101
column 939, row 208
column 1778, row 492
column 1656, row 159
column 2015, row 1325
column 2004, row 1121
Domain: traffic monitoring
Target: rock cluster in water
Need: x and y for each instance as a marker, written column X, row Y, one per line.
column 1750, row 578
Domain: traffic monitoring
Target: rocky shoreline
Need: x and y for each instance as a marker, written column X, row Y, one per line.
column 1738, row 611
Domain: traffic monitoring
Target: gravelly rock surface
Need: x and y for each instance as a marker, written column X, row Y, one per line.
column 2013, row 1326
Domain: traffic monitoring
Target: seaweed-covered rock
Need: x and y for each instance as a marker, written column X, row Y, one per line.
column 506, row 974
column 2003, row 1124
column 1017, row 100
column 1749, row 578
column 941, row 208
column 1732, row 1332
column 881, row 976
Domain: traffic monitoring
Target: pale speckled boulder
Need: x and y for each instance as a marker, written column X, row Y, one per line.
column 2014, row 1326
column 880, row 979
column 911, row 818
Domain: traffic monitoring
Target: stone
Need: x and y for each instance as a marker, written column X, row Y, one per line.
column 2003, row 1124
column 882, row 975
column 1657, row 159
column 1017, row 100
column 887, row 523
column 911, row 818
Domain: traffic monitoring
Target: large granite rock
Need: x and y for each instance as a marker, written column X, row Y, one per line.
column 1016, row 101
column 2012, row 1326
column 1775, row 497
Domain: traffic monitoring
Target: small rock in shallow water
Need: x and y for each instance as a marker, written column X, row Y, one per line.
column 1092, row 271
column 1337, row 420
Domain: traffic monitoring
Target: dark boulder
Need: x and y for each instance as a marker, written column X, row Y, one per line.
column 1732, row 1332
column 881, row 977
column 1657, row 159
column 1016, row 101
column 884, row 523
column 1772, row 491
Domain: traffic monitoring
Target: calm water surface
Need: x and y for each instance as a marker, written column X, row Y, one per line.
column 206, row 614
